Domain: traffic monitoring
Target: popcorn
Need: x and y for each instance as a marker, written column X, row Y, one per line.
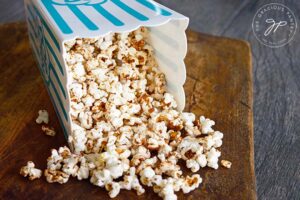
column 217, row 136
column 140, row 154
column 92, row 64
column 113, row 188
column 70, row 165
column 189, row 148
column 193, row 165
column 48, row 131
column 191, row 183
column 138, row 37
column 85, row 119
column 169, row 169
column 53, row 176
column 188, row 119
column 30, row 171
column 201, row 159
column 206, row 125
column 131, row 181
column 83, row 171
column 126, row 130
column 226, row 164
column 78, row 70
column 148, row 172
column 88, row 101
column 105, row 42
column 152, row 144
column 62, row 164
column 212, row 158
column 168, row 192
column 77, row 91
column 101, row 177
column 73, row 58
column 150, row 162
column 43, row 117
column 115, row 167
column 54, row 161
column 78, row 139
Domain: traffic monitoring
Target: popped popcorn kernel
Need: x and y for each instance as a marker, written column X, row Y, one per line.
column 48, row 131
column 206, row 125
column 55, row 176
column 43, row 117
column 30, row 171
column 225, row 163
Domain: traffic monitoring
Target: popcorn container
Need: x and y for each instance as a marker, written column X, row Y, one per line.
column 51, row 23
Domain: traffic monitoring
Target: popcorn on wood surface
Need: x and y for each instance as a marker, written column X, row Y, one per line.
column 48, row 130
column 226, row 163
column 30, row 171
column 43, row 117
column 126, row 130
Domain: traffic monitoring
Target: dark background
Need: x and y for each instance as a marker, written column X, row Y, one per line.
column 276, row 75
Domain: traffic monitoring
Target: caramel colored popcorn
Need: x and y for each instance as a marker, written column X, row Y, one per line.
column 48, row 131
column 226, row 163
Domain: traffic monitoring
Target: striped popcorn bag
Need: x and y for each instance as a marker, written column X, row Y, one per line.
column 53, row 22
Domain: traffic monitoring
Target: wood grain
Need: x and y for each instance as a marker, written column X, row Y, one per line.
column 219, row 86
column 276, row 78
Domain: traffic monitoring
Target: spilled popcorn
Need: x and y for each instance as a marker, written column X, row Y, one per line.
column 126, row 130
column 226, row 163
column 30, row 171
column 43, row 117
column 48, row 131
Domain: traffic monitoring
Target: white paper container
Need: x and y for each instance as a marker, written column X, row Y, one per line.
column 52, row 22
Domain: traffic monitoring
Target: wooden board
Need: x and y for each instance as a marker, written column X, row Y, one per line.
column 219, row 86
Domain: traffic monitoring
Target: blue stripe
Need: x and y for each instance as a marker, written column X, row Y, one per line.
column 30, row 12
column 58, row 80
column 84, row 19
column 51, row 82
column 45, row 25
column 51, row 34
column 61, row 23
column 51, row 97
column 130, row 11
column 57, row 113
column 38, row 58
column 31, row 16
column 154, row 7
column 54, row 56
column 108, row 15
column 59, row 100
column 34, row 48
column 52, row 52
column 55, row 73
column 31, row 26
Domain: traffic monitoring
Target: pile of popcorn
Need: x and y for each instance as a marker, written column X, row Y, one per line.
column 127, row 132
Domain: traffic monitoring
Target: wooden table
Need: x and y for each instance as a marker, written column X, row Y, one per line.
column 219, row 86
column 276, row 81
